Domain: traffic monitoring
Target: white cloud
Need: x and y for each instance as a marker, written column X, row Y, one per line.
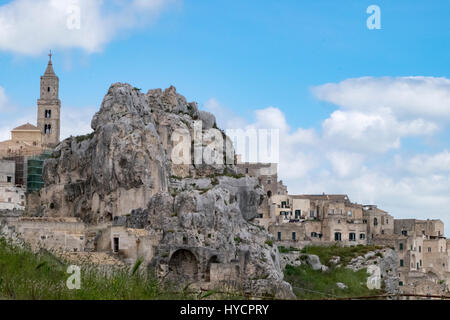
column 33, row 26
column 405, row 97
column 376, row 113
column 76, row 121
column 345, row 164
column 435, row 164
column 372, row 132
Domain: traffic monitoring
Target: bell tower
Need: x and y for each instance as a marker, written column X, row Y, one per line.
column 49, row 107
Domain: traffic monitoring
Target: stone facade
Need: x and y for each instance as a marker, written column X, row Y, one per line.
column 26, row 140
column 7, row 172
column 423, row 253
column 322, row 219
column 12, row 197
column 49, row 108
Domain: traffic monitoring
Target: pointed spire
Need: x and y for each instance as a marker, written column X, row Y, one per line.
column 49, row 71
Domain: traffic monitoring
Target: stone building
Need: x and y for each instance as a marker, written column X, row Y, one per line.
column 49, row 108
column 29, row 144
column 298, row 220
column 12, row 197
column 26, row 140
column 423, row 254
column 30, row 140
column 379, row 222
column 267, row 174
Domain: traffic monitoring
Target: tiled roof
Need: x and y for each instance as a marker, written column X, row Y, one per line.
column 27, row 126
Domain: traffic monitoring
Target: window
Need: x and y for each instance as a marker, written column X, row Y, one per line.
column 48, row 89
column 313, row 234
column 311, row 213
column 337, row 236
column 400, row 246
column 420, row 248
column 269, row 182
column 293, row 236
column 400, row 283
column 401, row 263
column 47, row 129
column 260, row 215
column 420, row 262
column 298, row 213
column 364, row 221
column 283, row 204
column 411, row 247
column 116, row 245
column 349, row 213
column 362, row 236
column 339, row 221
column 246, row 170
column 404, row 232
column 417, row 265
column 429, row 249
column 48, row 114
column 387, row 221
column 352, row 236
column 375, row 221
column 279, row 236
column 331, row 211
column 382, row 231
column 9, row 200
column 9, row 179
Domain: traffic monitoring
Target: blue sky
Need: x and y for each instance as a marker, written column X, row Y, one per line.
column 352, row 118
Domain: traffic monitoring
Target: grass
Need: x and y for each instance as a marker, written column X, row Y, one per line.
column 325, row 253
column 309, row 284
column 283, row 249
column 25, row 275
column 316, row 284
column 269, row 243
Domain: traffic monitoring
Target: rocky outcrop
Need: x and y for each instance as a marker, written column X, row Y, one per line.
column 386, row 260
column 128, row 172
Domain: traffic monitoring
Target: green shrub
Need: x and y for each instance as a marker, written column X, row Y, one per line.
column 89, row 136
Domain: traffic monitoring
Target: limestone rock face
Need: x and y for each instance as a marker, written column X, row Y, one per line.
column 126, row 172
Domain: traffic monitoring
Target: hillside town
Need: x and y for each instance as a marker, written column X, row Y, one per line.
column 30, row 206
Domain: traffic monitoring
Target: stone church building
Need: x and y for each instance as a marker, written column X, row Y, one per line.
column 30, row 140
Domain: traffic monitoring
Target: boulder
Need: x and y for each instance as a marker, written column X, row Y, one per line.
column 340, row 285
